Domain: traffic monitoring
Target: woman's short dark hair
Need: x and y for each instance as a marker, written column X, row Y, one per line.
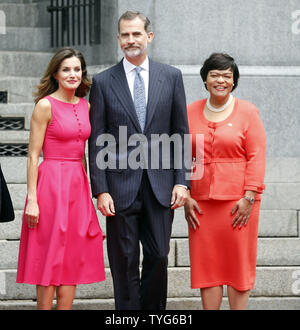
column 220, row 61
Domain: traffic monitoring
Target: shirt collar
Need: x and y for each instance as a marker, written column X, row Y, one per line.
column 129, row 66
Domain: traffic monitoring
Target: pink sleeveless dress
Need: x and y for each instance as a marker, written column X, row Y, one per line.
column 66, row 247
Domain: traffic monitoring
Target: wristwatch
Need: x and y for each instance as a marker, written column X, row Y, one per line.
column 183, row 186
column 249, row 199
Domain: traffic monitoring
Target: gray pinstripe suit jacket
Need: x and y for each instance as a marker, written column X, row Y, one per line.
column 112, row 106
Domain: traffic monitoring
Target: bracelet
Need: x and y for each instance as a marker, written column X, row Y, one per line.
column 249, row 199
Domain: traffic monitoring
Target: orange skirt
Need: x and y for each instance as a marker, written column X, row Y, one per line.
column 219, row 253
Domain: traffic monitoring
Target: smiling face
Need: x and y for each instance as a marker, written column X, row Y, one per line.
column 134, row 39
column 69, row 74
column 219, row 83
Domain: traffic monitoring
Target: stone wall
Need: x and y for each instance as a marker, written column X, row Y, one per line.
column 264, row 38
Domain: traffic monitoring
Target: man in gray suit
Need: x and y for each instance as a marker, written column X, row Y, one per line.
column 145, row 99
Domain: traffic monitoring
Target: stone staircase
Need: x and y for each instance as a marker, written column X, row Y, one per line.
column 278, row 259
column 24, row 53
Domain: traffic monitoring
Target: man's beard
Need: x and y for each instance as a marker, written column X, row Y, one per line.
column 134, row 51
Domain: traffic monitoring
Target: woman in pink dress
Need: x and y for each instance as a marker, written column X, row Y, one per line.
column 61, row 241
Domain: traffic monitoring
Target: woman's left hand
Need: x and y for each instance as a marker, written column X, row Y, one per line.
column 243, row 210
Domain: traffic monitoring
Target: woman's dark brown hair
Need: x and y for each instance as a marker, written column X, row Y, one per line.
column 48, row 83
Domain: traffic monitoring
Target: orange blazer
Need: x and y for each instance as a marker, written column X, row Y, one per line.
column 232, row 158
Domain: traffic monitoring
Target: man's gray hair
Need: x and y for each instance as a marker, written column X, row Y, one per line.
column 130, row 15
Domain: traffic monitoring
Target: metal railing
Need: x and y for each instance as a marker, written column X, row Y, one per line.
column 13, row 149
column 75, row 22
column 11, row 123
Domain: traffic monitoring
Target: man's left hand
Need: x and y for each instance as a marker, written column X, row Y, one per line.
column 179, row 197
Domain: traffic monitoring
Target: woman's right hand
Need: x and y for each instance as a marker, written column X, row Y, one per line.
column 190, row 208
column 32, row 213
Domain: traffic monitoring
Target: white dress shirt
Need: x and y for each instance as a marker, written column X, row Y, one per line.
column 130, row 72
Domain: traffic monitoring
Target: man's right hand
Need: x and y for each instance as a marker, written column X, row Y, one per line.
column 105, row 204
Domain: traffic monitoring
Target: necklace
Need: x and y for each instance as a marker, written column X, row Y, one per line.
column 223, row 107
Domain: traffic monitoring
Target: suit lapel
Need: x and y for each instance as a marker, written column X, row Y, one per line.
column 120, row 87
column 155, row 87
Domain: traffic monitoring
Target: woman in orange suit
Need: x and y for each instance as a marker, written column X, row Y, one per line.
column 226, row 187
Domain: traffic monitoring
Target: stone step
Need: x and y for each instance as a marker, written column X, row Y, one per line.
column 272, row 223
column 287, row 253
column 270, row 282
column 278, row 196
column 255, row 303
column 24, row 64
column 25, row 15
column 11, row 136
column 10, row 260
column 26, row 39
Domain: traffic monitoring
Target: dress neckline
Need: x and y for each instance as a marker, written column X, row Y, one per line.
column 65, row 102
column 217, row 123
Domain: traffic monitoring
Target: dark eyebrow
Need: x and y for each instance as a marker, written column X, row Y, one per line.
column 68, row 67
column 215, row 71
column 223, row 74
column 127, row 33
